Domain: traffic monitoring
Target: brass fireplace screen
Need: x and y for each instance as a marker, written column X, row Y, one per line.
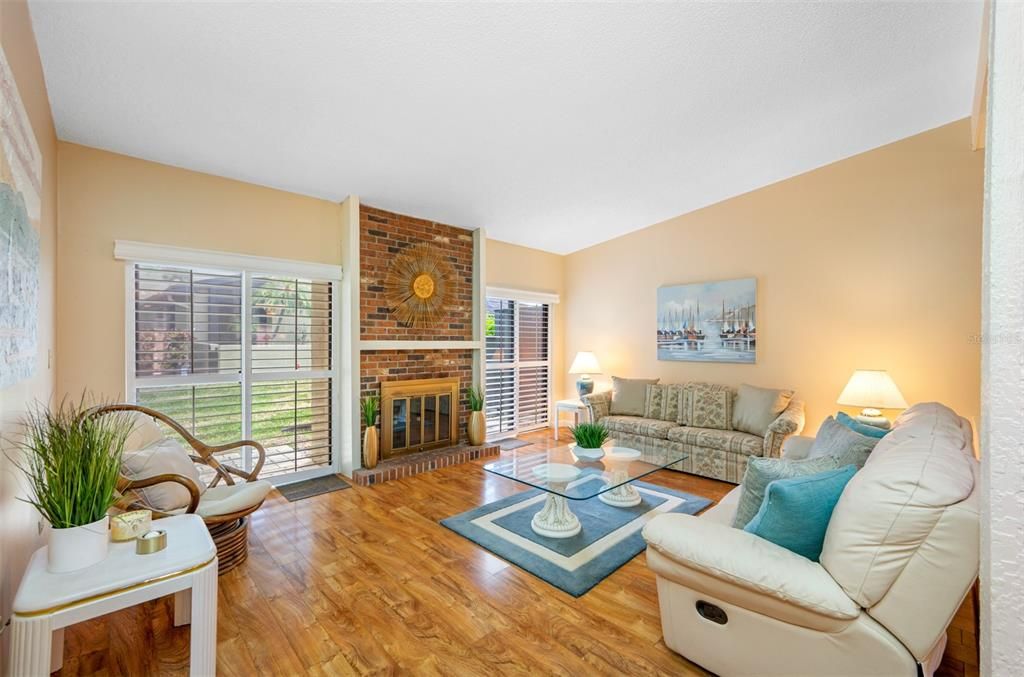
column 418, row 415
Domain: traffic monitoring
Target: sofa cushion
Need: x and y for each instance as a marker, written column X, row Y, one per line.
column 761, row 471
column 664, row 402
column 725, row 440
column 706, row 405
column 795, row 512
column 923, row 468
column 629, row 395
column 755, row 408
column 835, row 439
column 637, row 425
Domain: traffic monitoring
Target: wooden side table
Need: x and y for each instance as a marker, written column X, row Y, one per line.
column 576, row 407
column 47, row 603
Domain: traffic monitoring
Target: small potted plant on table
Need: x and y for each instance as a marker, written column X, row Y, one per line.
column 370, row 406
column 589, row 439
column 73, row 462
column 476, row 428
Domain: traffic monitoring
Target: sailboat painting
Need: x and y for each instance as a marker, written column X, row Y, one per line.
column 708, row 321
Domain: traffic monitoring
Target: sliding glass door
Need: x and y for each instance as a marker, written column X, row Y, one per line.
column 237, row 355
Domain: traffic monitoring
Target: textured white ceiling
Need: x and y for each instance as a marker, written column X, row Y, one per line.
column 555, row 126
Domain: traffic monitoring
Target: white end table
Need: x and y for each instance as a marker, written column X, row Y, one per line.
column 576, row 407
column 47, row 603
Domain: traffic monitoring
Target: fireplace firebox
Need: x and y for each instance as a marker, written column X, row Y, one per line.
column 418, row 415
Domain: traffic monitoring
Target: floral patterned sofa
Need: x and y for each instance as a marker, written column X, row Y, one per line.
column 697, row 419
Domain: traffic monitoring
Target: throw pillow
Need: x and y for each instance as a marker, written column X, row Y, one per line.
column 706, row 405
column 145, row 432
column 663, row 402
column 835, row 439
column 629, row 395
column 862, row 428
column 166, row 457
column 795, row 513
column 756, row 408
column 763, row 471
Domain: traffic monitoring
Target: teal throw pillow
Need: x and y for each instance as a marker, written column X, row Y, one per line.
column 796, row 512
column 762, row 471
column 862, row 428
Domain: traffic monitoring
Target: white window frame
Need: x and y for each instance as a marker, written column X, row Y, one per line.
column 523, row 296
column 141, row 253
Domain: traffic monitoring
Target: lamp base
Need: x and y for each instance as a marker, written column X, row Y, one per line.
column 584, row 386
column 874, row 418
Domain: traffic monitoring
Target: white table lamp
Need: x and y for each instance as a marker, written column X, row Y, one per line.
column 585, row 364
column 873, row 390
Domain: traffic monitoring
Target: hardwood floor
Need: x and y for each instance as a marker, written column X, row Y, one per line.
column 365, row 580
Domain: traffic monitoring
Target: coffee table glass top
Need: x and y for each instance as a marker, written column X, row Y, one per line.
column 563, row 472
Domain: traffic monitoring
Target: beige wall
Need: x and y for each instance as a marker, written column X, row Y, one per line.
column 871, row 262
column 516, row 267
column 18, row 535
column 106, row 197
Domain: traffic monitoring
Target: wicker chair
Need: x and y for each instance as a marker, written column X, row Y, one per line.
column 224, row 508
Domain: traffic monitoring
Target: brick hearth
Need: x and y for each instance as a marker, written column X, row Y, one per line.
column 424, row 461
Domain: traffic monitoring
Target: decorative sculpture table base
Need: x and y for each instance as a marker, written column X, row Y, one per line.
column 624, row 495
column 555, row 520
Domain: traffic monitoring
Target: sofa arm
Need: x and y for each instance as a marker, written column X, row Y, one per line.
column 597, row 404
column 745, row 570
column 789, row 422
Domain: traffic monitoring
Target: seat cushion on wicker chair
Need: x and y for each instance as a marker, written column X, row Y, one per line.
column 725, row 440
column 166, row 457
column 636, row 425
column 225, row 499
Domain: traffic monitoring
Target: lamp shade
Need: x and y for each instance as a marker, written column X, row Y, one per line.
column 872, row 388
column 585, row 363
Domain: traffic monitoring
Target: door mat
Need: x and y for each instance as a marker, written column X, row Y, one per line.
column 314, row 487
column 513, row 443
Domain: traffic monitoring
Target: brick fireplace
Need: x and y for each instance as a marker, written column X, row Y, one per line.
column 420, row 352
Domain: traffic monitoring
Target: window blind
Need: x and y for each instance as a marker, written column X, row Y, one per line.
column 518, row 366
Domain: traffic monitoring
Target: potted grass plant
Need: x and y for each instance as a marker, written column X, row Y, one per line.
column 589, row 437
column 476, row 428
column 370, row 407
column 72, row 463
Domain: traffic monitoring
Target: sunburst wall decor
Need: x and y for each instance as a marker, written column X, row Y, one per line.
column 417, row 286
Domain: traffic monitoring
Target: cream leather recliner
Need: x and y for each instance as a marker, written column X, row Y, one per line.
column 900, row 555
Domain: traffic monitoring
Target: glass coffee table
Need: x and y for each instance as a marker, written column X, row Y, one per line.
column 568, row 477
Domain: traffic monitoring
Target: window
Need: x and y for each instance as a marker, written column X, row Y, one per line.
column 518, row 366
column 237, row 355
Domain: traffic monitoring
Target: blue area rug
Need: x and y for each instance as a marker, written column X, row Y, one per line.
column 610, row 536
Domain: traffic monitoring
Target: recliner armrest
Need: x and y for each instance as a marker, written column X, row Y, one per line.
column 747, row 571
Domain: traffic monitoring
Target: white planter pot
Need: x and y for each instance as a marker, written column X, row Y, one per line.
column 588, row 454
column 78, row 547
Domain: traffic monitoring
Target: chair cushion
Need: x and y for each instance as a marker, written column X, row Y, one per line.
column 755, row 408
column 664, row 402
column 761, row 471
column 795, row 512
column 724, row 440
column 145, row 432
column 167, row 456
column 629, row 394
column 225, row 499
column 707, row 405
column 636, row 425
